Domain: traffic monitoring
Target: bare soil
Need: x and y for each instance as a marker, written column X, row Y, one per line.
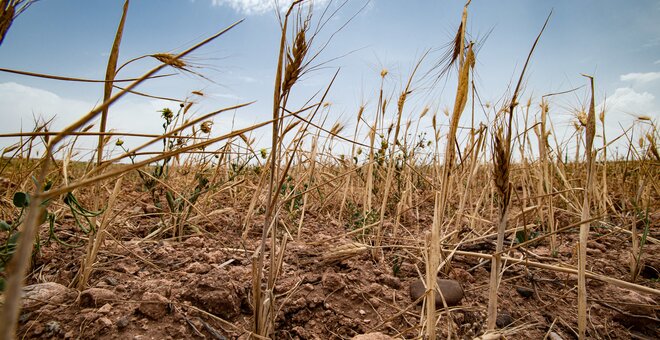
column 200, row 287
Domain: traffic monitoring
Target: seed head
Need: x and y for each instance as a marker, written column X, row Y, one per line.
column 383, row 73
column 167, row 114
column 206, row 126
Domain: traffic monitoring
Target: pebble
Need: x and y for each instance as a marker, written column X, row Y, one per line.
column 111, row 280
column 122, row 322
column 53, row 327
column 503, row 319
column 104, row 322
column 451, row 290
column 105, row 309
column 554, row 336
column 525, row 292
column 373, row 336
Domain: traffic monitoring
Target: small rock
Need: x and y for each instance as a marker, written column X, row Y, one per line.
column 153, row 305
column 373, row 336
column 53, row 328
column 503, row 319
column 450, row 289
column 197, row 242
column 94, row 297
column 104, row 322
column 111, row 280
column 362, row 312
column 554, row 336
column 122, row 322
column 127, row 267
column 105, row 309
column 489, row 336
column 525, row 292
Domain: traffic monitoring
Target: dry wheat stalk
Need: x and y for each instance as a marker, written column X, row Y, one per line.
column 502, row 163
column 466, row 62
column 590, row 125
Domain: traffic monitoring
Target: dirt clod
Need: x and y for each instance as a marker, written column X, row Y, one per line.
column 37, row 295
column 153, row 305
column 96, row 297
column 216, row 293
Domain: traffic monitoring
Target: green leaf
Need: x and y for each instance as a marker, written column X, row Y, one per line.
column 48, row 185
column 4, row 226
column 21, row 199
column 13, row 240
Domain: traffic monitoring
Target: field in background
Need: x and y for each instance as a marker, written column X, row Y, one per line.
column 215, row 237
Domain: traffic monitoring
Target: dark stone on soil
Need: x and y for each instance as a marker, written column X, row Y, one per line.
column 122, row 322
column 451, row 290
column 525, row 292
column 503, row 319
column 96, row 297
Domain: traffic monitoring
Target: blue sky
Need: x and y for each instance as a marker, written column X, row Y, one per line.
column 618, row 42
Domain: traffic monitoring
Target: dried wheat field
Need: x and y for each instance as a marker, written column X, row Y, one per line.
column 407, row 218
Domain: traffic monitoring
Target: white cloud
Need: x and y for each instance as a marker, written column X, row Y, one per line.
column 622, row 109
column 22, row 103
column 250, row 7
column 657, row 62
column 640, row 77
column 627, row 100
